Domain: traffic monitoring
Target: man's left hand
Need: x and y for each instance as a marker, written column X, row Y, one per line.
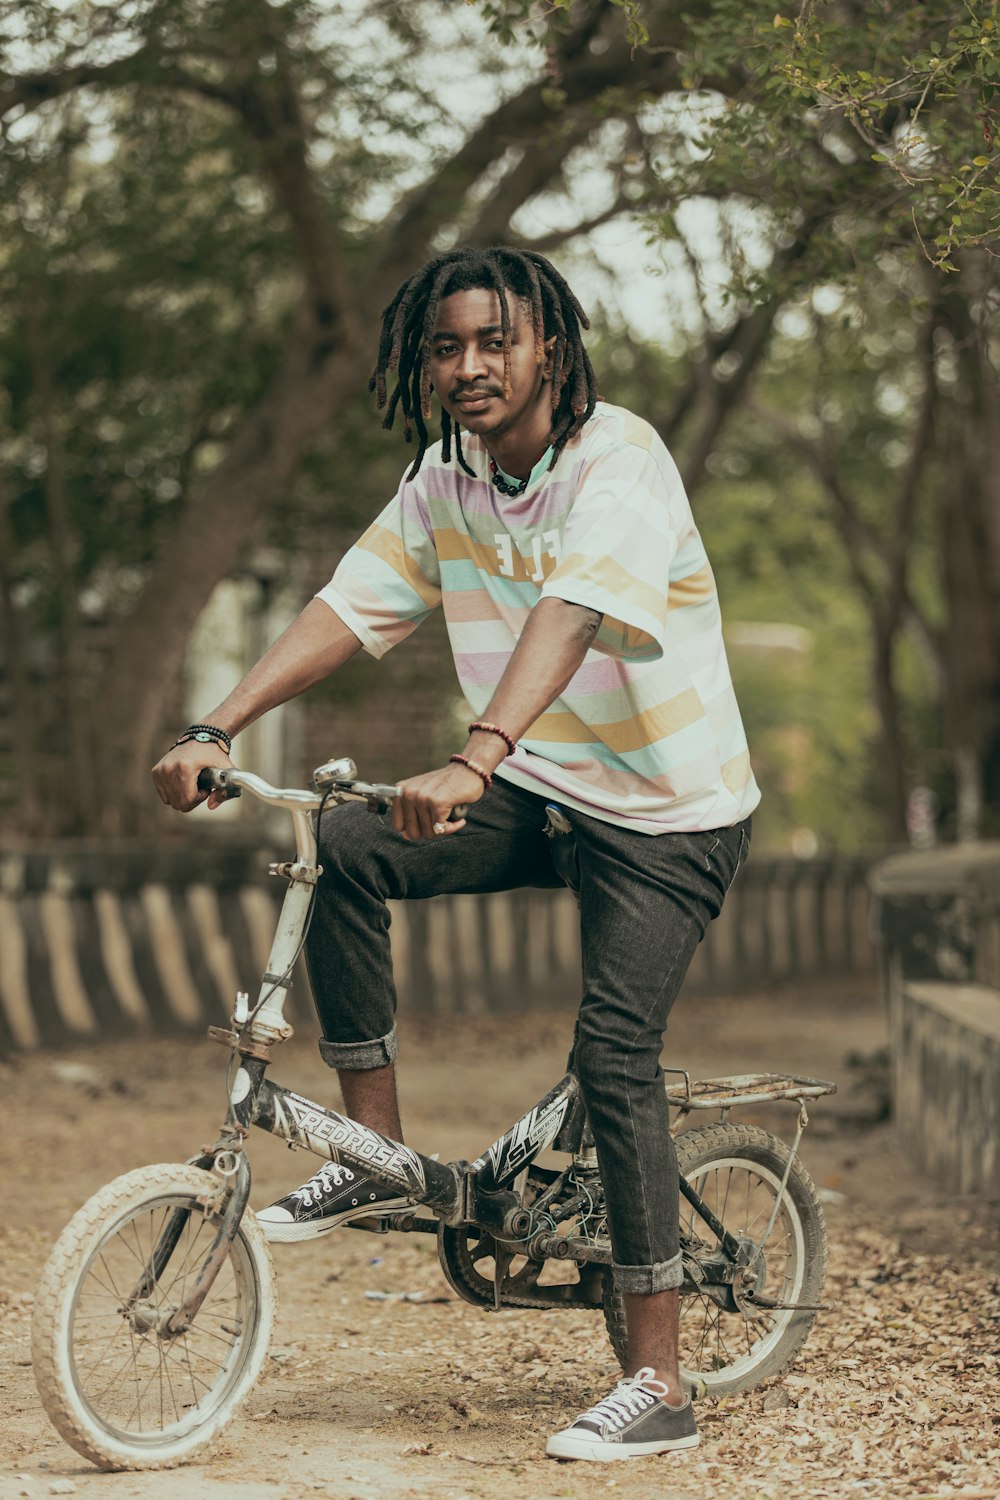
column 423, row 809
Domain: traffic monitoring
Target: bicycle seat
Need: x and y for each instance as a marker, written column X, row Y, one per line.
column 562, row 846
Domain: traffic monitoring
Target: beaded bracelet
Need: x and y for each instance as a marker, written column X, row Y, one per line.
column 494, row 729
column 212, row 729
column 483, row 775
column 204, row 738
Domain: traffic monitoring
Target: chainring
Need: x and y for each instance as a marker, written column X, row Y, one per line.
column 467, row 1252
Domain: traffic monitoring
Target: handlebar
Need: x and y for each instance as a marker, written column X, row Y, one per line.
column 232, row 783
column 337, row 781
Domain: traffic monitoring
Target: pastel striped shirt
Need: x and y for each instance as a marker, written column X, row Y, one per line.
column 648, row 733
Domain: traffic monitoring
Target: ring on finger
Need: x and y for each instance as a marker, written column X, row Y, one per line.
column 439, row 828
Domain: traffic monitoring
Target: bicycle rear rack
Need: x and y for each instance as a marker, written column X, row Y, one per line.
column 743, row 1088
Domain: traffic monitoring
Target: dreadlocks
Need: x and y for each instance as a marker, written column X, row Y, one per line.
column 408, row 323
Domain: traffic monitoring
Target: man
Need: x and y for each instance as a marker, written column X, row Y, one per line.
column 554, row 531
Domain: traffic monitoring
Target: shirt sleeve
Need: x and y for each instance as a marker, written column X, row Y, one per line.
column 390, row 579
column 618, row 544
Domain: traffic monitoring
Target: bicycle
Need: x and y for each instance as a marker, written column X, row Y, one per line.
column 154, row 1311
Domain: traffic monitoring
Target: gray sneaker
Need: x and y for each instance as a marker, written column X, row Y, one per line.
column 633, row 1421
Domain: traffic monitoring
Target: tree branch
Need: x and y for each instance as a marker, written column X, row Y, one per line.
column 546, row 243
column 270, row 108
column 857, row 536
column 747, row 340
column 538, row 166
column 29, row 91
column 519, row 121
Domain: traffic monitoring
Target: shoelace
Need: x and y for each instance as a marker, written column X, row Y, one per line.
column 630, row 1397
column 330, row 1175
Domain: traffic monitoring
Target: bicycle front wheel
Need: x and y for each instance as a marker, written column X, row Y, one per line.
column 731, row 1343
column 117, row 1386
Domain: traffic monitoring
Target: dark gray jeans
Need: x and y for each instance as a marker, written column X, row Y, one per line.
column 645, row 902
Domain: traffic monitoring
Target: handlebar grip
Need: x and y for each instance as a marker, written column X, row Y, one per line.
column 213, row 779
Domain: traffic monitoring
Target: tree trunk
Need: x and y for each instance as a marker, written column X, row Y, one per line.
column 969, row 531
column 891, row 746
column 79, row 785
column 22, row 699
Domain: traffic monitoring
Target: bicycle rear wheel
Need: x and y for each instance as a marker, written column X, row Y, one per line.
column 727, row 1343
column 117, row 1387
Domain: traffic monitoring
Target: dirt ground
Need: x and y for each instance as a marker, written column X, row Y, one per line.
column 895, row 1394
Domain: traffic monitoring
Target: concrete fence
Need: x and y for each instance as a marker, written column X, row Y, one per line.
column 936, row 917
column 110, row 941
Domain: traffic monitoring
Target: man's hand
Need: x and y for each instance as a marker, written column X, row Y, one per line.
column 424, row 807
column 176, row 775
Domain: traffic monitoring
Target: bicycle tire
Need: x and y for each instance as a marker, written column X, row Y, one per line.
column 119, row 1394
column 722, row 1351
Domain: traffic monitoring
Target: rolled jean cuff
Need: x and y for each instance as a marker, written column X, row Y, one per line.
column 646, row 1280
column 358, row 1057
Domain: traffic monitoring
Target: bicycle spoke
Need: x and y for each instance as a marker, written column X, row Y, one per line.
column 111, row 1291
column 113, row 1379
column 108, row 1351
column 171, row 1352
column 165, row 1372
column 210, row 1333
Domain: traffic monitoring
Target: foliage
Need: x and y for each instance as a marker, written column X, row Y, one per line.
column 918, row 85
column 841, row 88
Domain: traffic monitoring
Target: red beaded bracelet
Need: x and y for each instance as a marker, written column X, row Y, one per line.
column 495, row 729
column 483, row 775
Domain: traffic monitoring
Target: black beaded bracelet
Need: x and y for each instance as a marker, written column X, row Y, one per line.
column 220, row 734
column 203, row 736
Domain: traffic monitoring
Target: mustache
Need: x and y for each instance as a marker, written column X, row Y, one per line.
column 473, row 390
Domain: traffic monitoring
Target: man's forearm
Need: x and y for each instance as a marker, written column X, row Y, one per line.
column 552, row 646
column 313, row 646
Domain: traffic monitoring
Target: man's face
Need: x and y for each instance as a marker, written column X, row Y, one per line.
column 466, row 365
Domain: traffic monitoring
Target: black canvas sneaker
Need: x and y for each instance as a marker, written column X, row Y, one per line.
column 633, row 1421
column 332, row 1196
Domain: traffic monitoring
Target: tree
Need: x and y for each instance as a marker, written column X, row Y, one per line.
column 887, row 115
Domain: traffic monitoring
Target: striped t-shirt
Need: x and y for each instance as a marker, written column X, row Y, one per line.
column 647, row 734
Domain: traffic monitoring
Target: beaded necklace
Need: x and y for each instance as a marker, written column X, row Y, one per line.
column 501, row 484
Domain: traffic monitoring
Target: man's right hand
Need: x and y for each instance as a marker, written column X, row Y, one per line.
column 176, row 775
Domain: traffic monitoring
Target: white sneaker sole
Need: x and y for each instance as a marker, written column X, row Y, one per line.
column 596, row 1450
column 290, row 1231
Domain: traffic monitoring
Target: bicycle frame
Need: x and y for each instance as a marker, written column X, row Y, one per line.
column 458, row 1192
